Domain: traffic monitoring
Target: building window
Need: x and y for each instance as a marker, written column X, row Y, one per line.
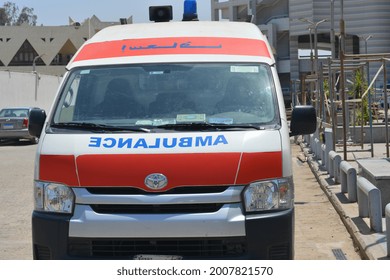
column 25, row 56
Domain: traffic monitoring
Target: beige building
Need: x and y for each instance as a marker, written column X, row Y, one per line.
column 46, row 49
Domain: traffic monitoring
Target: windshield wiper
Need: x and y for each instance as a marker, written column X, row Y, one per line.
column 98, row 127
column 201, row 126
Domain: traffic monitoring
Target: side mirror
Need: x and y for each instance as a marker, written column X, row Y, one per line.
column 303, row 120
column 36, row 122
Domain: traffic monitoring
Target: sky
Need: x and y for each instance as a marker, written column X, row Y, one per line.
column 57, row 12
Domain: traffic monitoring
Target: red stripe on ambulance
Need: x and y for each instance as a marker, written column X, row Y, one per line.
column 181, row 169
column 172, row 46
column 58, row 169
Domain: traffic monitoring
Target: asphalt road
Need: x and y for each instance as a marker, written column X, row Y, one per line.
column 16, row 200
column 320, row 234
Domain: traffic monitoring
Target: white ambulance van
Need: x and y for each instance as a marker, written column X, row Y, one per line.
column 167, row 140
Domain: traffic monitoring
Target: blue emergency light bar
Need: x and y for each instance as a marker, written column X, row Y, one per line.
column 190, row 10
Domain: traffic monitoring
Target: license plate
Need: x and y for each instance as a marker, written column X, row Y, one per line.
column 157, row 257
column 8, row 126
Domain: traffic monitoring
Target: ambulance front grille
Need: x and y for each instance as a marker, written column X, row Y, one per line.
column 137, row 191
column 233, row 247
column 156, row 209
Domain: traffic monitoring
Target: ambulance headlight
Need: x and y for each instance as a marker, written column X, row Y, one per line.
column 50, row 197
column 269, row 195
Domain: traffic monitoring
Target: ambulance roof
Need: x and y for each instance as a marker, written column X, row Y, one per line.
column 194, row 41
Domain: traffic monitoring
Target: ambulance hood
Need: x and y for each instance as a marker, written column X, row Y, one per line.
column 185, row 159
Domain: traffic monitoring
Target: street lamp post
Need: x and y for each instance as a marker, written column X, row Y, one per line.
column 368, row 66
column 322, row 101
column 311, row 51
column 36, row 75
column 332, row 33
column 342, row 81
column 35, row 60
column 314, row 25
column 369, row 96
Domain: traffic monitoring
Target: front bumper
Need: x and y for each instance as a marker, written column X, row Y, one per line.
column 268, row 236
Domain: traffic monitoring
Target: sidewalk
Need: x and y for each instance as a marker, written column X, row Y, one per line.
column 372, row 245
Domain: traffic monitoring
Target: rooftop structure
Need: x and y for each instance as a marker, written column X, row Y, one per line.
column 46, row 49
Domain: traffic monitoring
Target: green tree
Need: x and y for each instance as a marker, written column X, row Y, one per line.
column 10, row 15
column 359, row 86
column 3, row 17
column 27, row 16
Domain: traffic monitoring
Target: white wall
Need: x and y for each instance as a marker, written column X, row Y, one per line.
column 21, row 89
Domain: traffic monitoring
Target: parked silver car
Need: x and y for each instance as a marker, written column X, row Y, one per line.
column 14, row 124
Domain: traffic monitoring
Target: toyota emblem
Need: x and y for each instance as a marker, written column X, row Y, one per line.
column 156, row 181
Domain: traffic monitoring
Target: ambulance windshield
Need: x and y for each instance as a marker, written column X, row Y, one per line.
column 156, row 95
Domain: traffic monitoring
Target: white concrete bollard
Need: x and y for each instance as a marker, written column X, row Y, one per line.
column 329, row 145
column 348, row 180
column 317, row 149
column 334, row 166
column 323, row 156
column 369, row 203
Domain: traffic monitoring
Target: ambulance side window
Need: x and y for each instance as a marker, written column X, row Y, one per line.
column 69, row 100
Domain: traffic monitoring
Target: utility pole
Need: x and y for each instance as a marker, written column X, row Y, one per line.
column 342, row 80
column 369, row 96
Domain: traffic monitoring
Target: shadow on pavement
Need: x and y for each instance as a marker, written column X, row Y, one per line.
column 15, row 143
